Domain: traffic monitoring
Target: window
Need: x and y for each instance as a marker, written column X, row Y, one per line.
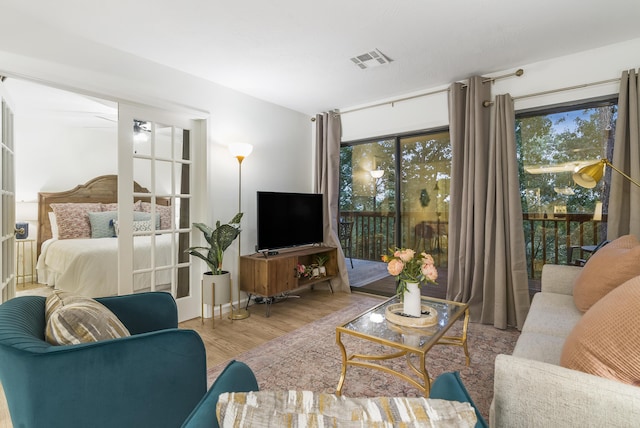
column 395, row 191
column 552, row 144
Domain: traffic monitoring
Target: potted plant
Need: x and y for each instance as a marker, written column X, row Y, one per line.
column 321, row 259
column 218, row 240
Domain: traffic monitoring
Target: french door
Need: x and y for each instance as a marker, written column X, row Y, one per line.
column 7, row 200
column 157, row 150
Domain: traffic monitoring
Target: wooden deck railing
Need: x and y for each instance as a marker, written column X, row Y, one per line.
column 547, row 240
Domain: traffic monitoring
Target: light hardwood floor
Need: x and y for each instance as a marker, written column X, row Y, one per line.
column 230, row 338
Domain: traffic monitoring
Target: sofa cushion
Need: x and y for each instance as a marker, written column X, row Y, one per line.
column 605, row 342
column 72, row 319
column 552, row 314
column 606, row 269
column 306, row 408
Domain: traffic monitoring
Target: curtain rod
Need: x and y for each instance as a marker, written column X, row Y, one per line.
column 488, row 103
column 519, row 72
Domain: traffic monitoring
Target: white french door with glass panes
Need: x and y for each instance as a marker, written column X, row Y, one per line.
column 7, row 200
column 156, row 150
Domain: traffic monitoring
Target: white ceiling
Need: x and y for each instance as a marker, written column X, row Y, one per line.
column 296, row 53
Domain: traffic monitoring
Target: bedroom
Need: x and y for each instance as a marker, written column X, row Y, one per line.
column 280, row 135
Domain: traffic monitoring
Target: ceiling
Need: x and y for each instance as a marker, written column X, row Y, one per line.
column 296, row 53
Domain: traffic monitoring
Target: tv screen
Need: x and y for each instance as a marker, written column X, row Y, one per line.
column 289, row 219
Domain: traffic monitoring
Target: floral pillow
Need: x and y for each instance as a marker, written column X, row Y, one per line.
column 164, row 211
column 73, row 219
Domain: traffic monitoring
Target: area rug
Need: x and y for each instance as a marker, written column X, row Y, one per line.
column 309, row 359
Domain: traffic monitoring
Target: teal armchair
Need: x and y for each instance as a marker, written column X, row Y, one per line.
column 154, row 378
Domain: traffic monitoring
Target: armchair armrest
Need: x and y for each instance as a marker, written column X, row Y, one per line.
column 559, row 278
column 151, row 379
column 533, row 393
column 144, row 312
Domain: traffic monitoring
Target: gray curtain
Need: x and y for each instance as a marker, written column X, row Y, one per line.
column 506, row 290
column 469, row 133
column 624, row 199
column 327, row 182
column 487, row 266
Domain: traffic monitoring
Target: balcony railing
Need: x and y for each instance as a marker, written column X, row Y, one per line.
column 547, row 240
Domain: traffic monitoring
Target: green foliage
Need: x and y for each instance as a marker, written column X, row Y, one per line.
column 219, row 239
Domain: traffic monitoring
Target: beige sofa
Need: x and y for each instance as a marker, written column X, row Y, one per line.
column 531, row 389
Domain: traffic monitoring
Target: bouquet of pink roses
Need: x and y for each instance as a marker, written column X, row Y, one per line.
column 404, row 264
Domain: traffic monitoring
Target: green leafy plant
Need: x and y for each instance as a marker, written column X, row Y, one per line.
column 322, row 259
column 219, row 239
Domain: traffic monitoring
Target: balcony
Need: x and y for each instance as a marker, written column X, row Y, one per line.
column 548, row 239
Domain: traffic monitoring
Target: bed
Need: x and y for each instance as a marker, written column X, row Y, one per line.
column 70, row 260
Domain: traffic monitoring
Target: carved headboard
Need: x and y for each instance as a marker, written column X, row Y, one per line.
column 103, row 189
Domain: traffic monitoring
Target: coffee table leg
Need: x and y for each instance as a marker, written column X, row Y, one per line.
column 343, row 373
column 464, row 336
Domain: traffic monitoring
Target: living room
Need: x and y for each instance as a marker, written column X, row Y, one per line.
column 278, row 126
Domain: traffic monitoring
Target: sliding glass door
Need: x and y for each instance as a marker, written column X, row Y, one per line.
column 395, row 192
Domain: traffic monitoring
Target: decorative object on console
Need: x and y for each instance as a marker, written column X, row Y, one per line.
column 240, row 151
column 588, row 176
column 219, row 239
column 22, row 230
column 410, row 271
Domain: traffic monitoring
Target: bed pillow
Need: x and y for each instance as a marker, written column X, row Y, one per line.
column 73, row 219
column 306, row 408
column 72, row 319
column 606, row 269
column 113, row 206
column 164, row 211
column 606, row 340
column 102, row 224
column 138, row 226
column 53, row 224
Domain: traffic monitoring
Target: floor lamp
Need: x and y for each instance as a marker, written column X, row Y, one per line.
column 239, row 151
column 589, row 175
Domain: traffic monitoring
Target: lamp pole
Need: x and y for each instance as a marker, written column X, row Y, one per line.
column 239, row 151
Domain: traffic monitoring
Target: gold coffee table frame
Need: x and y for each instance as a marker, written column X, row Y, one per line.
column 372, row 326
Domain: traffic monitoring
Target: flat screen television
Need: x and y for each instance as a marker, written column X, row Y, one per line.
column 289, row 220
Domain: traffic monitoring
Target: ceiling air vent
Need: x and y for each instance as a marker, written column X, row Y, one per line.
column 373, row 58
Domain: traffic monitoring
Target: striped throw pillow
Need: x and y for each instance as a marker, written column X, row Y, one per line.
column 73, row 319
column 263, row 409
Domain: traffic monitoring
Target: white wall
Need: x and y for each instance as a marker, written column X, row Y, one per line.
column 282, row 157
column 432, row 111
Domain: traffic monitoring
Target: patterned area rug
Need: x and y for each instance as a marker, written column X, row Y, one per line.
column 309, row 359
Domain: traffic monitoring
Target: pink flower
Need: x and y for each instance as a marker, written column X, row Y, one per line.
column 301, row 268
column 429, row 271
column 395, row 266
column 406, row 254
column 427, row 259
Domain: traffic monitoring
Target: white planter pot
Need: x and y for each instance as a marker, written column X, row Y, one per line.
column 323, row 270
column 411, row 300
column 218, row 286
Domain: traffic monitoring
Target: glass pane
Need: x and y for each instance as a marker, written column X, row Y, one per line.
column 424, row 194
column 142, row 172
column 367, row 197
column 163, row 177
column 558, row 214
column 141, row 137
column 163, row 141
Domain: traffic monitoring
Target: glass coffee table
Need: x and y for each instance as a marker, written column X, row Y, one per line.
column 412, row 343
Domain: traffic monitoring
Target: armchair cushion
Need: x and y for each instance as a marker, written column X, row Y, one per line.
column 449, row 386
column 73, row 319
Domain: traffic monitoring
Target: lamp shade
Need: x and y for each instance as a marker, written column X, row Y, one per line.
column 241, row 150
column 377, row 173
column 588, row 176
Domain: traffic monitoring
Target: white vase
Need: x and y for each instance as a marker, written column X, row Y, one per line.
column 411, row 300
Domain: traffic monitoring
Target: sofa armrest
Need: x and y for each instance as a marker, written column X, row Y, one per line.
column 144, row 312
column 559, row 278
column 533, row 393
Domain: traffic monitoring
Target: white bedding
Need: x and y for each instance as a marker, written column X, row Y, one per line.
column 90, row 266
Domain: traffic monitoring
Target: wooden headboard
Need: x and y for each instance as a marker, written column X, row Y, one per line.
column 103, row 189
